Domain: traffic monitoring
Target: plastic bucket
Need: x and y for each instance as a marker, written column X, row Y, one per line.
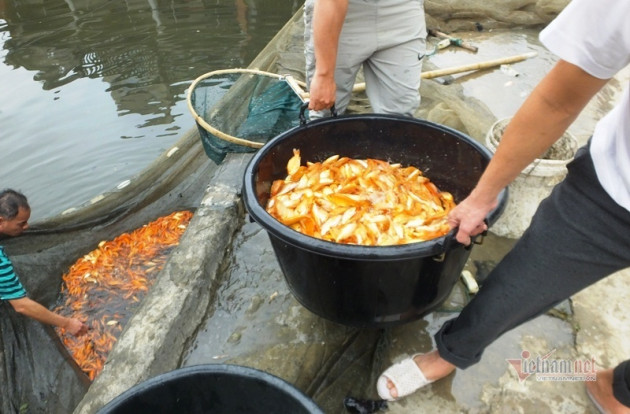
column 533, row 184
column 369, row 286
column 213, row 389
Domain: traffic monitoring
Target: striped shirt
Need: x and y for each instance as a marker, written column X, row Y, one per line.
column 10, row 286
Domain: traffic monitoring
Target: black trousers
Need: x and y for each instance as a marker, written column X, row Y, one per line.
column 577, row 237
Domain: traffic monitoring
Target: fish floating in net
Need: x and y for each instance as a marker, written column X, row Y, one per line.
column 104, row 287
column 360, row 201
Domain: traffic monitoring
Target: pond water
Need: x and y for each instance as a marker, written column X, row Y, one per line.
column 93, row 91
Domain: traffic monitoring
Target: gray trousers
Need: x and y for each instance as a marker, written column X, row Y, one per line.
column 387, row 38
column 577, row 237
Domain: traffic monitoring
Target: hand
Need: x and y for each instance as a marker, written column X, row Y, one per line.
column 322, row 92
column 76, row 327
column 469, row 217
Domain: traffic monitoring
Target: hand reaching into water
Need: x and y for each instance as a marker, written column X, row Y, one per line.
column 76, row 327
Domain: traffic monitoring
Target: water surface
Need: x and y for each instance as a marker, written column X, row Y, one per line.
column 93, row 91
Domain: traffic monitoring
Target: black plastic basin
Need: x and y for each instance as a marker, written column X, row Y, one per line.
column 369, row 286
column 213, row 389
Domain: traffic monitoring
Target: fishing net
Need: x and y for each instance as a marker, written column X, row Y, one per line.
column 238, row 110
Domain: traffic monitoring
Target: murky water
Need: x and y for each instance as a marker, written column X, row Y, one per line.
column 93, row 91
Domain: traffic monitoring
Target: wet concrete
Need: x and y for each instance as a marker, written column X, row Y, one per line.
column 222, row 299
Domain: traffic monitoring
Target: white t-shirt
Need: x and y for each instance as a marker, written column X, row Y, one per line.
column 595, row 35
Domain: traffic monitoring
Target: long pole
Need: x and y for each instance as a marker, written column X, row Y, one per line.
column 358, row 87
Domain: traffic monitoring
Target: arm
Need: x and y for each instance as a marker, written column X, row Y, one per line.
column 328, row 17
column 542, row 119
column 32, row 309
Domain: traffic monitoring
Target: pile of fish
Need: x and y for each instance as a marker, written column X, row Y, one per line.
column 104, row 287
column 360, row 201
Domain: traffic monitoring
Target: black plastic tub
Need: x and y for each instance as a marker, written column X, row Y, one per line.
column 213, row 389
column 369, row 286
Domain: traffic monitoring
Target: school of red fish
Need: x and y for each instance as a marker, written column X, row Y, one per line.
column 104, row 287
column 360, row 201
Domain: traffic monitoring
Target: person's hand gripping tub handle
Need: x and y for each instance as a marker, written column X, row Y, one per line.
column 542, row 119
column 469, row 217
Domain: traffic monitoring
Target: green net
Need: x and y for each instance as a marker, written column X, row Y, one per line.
column 239, row 110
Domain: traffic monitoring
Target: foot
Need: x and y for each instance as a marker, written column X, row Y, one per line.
column 432, row 366
column 601, row 391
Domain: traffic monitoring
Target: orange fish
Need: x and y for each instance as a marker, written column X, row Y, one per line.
column 360, row 201
column 106, row 285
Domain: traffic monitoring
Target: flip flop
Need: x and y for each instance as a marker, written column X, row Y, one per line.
column 600, row 409
column 406, row 377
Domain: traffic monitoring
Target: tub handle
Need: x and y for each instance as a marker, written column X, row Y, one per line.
column 304, row 107
column 440, row 257
column 478, row 239
column 450, row 240
column 447, row 245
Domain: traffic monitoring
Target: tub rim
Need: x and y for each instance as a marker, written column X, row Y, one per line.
column 292, row 237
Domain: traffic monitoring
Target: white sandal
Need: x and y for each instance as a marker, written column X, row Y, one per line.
column 406, row 377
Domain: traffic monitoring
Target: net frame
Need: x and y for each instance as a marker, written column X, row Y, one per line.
column 295, row 85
